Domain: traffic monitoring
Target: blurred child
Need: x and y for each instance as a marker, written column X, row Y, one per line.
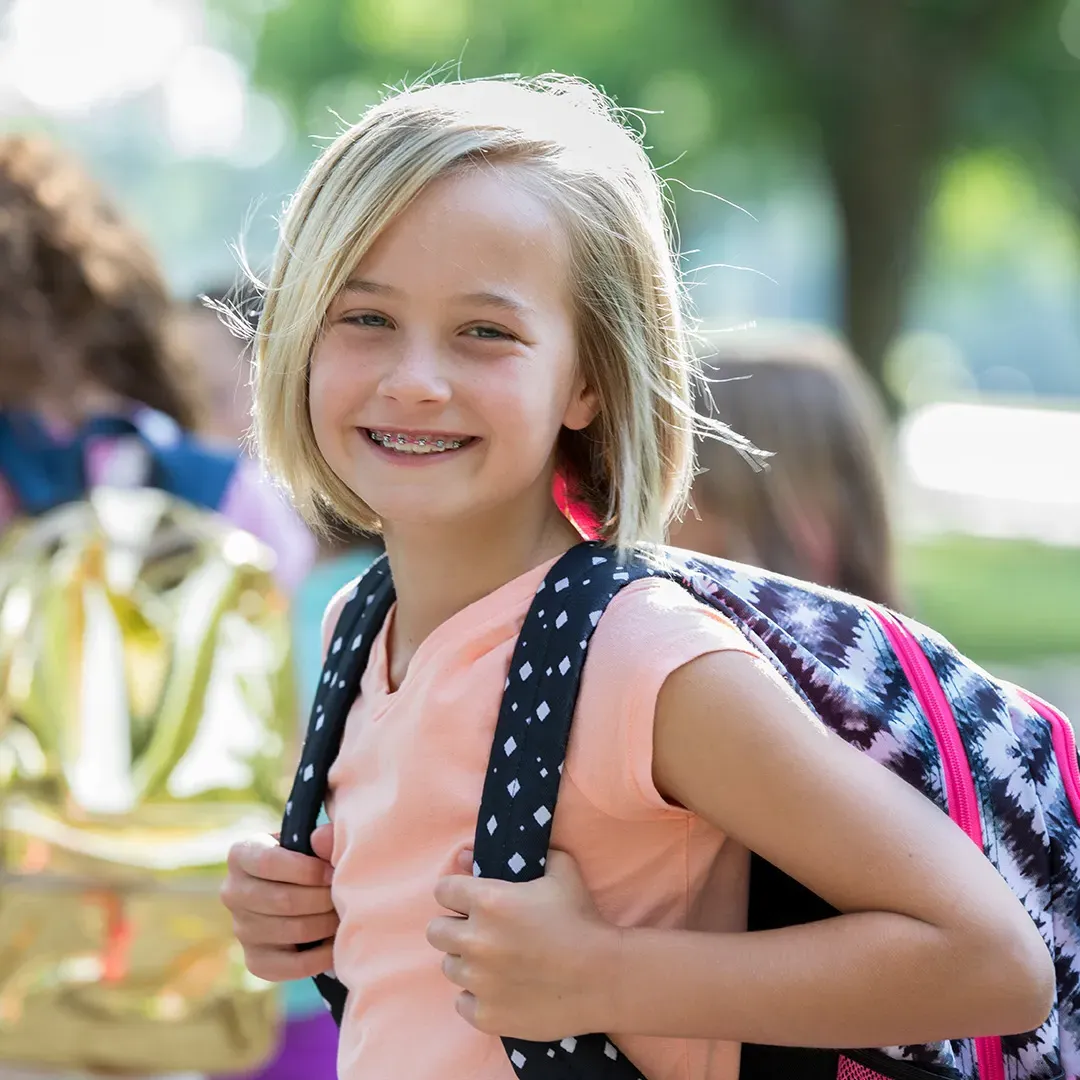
column 223, row 361
column 88, row 355
column 819, row 511
column 86, row 333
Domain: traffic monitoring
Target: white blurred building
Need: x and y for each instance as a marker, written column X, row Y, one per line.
column 991, row 470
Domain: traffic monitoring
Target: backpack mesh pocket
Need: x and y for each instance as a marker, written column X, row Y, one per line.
column 852, row 1070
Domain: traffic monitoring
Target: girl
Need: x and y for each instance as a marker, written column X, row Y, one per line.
column 820, row 511
column 474, row 289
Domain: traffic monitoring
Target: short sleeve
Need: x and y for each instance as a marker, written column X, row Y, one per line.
column 652, row 628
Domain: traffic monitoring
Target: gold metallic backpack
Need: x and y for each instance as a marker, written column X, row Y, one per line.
column 146, row 711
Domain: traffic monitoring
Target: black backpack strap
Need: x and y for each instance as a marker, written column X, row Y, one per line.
column 522, row 784
column 350, row 646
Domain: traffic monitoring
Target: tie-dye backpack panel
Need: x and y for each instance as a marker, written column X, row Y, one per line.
column 898, row 691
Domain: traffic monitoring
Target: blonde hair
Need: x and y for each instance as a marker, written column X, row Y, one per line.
column 800, row 394
column 632, row 466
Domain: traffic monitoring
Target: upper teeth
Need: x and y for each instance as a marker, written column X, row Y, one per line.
column 423, row 445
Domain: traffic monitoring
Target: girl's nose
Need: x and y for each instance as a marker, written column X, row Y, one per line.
column 416, row 376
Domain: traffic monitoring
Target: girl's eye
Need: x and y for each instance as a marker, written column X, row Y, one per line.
column 489, row 333
column 367, row 318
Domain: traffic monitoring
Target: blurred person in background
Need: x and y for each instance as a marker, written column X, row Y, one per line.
column 217, row 326
column 91, row 361
column 221, row 355
column 86, row 333
column 819, row 510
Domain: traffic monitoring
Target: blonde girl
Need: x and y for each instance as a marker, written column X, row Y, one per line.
column 475, row 289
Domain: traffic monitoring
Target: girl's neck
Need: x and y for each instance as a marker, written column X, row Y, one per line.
column 438, row 573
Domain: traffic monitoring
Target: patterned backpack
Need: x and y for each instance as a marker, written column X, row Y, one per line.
column 1000, row 762
column 145, row 705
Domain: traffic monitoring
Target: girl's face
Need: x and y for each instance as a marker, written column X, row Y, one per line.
column 448, row 365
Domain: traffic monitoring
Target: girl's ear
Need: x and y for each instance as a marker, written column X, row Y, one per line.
column 583, row 407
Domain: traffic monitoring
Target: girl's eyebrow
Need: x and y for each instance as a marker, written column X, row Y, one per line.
column 373, row 287
column 487, row 299
column 497, row 300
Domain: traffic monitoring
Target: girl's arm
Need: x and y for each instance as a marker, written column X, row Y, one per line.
column 932, row 944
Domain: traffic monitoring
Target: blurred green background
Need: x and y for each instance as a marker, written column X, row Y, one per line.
column 907, row 171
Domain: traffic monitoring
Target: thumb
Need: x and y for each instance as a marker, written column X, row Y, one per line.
column 322, row 842
column 562, row 866
column 562, row 870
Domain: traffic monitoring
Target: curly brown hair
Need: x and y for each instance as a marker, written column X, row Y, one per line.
column 82, row 301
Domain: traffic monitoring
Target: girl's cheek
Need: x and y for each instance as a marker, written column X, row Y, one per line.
column 332, row 381
column 328, row 401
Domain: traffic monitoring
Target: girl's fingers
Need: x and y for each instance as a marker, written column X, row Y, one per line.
column 456, row 970
column 242, row 893
column 466, row 1005
column 263, row 857
column 322, row 841
column 459, row 893
column 447, row 934
column 287, row 964
column 253, row 929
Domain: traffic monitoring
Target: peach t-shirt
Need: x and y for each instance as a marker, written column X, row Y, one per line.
column 405, row 791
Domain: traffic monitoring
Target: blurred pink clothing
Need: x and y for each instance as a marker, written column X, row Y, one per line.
column 405, row 790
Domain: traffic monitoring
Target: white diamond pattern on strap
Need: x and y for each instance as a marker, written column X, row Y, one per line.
column 518, row 805
column 342, row 669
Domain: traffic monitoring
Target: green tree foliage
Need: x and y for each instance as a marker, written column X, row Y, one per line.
column 889, row 85
column 879, row 90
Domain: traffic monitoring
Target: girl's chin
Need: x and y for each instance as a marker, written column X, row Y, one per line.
column 409, row 518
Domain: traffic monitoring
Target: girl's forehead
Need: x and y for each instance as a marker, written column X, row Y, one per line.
column 471, row 231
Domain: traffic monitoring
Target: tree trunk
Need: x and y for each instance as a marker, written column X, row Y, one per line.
column 882, row 156
column 878, row 85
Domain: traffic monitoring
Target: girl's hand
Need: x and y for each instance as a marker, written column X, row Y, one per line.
column 280, row 899
column 535, row 959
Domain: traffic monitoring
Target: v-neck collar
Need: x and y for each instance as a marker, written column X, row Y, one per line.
column 453, row 633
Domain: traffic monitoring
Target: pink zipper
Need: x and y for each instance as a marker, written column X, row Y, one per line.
column 1064, row 741
column 960, row 792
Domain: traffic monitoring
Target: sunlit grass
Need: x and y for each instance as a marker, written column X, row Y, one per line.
column 996, row 600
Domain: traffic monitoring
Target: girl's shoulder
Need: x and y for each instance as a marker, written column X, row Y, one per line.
column 337, row 578
column 650, row 629
column 654, row 621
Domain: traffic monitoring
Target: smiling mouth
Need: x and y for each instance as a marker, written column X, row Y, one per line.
column 417, row 444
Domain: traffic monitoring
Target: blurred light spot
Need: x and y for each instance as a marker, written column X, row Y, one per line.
column 685, row 111
column 266, row 131
column 923, row 367
column 70, row 56
column 1025, row 455
column 409, row 27
column 981, row 198
column 1070, row 27
column 204, row 103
